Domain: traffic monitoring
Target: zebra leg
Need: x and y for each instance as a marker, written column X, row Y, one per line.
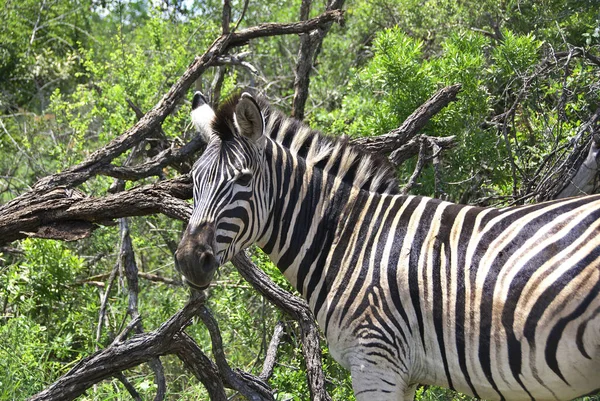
column 374, row 381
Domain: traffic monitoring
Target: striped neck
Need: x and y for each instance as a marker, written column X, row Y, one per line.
column 306, row 209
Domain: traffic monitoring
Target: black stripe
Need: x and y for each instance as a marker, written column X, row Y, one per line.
column 414, row 268
column 370, row 245
column 281, row 187
column 328, row 274
column 301, row 227
column 487, row 298
column 442, row 238
column 353, row 222
column 366, row 244
column 557, row 331
column 466, row 233
column 392, row 271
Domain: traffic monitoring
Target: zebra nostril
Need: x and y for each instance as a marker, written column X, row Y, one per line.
column 206, row 259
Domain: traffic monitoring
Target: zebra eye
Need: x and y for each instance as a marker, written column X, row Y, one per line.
column 244, row 179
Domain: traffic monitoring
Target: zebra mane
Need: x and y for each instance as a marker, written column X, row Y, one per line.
column 333, row 154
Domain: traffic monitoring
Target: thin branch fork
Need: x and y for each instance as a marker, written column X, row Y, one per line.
column 394, row 139
column 309, row 45
column 271, row 356
column 169, row 338
column 298, row 309
column 119, row 357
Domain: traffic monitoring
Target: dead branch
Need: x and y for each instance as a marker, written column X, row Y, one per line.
column 309, row 43
column 104, row 302
column 251, row 387
column 394, row 139
column 411, row 148
column 169, row 338
column 270, row 358
column 298, row 309
column 67, row 215
column 130, row 388
column 75, row 175
column 576, row 173
column 201, row 366
column 120, row 356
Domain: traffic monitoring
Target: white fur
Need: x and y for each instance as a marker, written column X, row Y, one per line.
column 202, row 118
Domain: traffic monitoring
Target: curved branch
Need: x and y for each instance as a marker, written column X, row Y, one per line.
column 411, row 126
column 298, row 309
column 145, row 126
column 120, row 356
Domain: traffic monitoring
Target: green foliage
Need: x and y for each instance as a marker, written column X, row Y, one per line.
column 399, row 78
column 47, row 322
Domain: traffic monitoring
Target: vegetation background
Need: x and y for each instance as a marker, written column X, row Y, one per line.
column 69, row 68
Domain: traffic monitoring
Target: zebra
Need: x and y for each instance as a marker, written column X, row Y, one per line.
column 499, row 304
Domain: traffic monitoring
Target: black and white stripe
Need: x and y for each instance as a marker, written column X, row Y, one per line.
column 496, row 303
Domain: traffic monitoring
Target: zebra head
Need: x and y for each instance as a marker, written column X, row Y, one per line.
column 226, row 215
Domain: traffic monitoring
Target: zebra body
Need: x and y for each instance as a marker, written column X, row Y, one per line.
column 496, row 303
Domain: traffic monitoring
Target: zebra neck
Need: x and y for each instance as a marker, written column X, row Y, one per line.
column 307, row 209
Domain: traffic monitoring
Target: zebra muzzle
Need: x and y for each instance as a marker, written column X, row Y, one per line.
column 195, row 259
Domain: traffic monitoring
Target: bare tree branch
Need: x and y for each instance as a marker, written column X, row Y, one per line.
column 386, row 143
column 201, row 366
column 119, row 356
column 270, row 358
column 298, row 309
column 251, row 387
column 75, row 175
column 309, row 43
column 130, row 388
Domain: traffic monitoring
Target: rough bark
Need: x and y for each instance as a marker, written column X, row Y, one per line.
column 54, row 214
column 119, row 356
column 298, row 309
column 578, row 174
column 101, row 158
column 309, row 44
column 412, row 125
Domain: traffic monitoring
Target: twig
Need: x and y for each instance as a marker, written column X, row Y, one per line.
column 237, row 24
column 271, row 356
column 132, row 391
column 386, row 143
column 252, row 391
column 104, row 302
column 418, row 168
column 298, row 309
column 79, row 173
column 309, row 43
column 120, row 356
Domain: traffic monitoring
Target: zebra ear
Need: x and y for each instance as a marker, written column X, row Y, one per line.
column 202, row 116
column 249, row 118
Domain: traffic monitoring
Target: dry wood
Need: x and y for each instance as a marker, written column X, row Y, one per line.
column 309, row 44
column 410, row 127
column 298, row 309
column 271, row 357
column 75, row 175
column 119, row 356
